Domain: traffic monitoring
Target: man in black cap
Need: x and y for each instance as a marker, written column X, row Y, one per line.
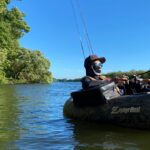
column 93, row 65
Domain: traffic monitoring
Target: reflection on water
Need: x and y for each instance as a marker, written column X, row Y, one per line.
column 31, row 117
column 93, row 136
column 9, row 123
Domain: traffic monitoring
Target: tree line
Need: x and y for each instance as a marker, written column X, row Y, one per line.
column 19, row 64
column 113, row 75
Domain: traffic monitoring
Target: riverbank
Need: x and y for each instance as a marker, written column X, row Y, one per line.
column 10, row 82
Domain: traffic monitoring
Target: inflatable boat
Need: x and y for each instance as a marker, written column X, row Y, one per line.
column 128, row 110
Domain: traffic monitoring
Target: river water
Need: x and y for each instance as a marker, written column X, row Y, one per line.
column 31, row 118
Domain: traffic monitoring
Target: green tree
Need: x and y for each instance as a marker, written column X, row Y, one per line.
column 12, row 28
column 28, row 66
column 18, row 64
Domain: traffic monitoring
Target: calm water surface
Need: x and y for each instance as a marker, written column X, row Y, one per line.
column 31, row 118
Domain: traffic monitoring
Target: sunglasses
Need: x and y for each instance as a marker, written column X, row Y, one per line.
column 98, row 64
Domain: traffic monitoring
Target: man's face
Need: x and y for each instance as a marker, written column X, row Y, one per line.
column 97, row 65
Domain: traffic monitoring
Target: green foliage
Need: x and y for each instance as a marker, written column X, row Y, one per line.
column 12, row 27
column 146, row 76
column 3, row 56
column 18, row 64
column 3, row 4
column 3, row 79
column 129, row 74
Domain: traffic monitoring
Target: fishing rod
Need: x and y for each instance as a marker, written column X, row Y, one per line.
column 77, row 27
column 85, row 27
column 73, row 4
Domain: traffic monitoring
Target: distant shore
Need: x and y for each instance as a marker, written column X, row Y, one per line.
column 111, row 75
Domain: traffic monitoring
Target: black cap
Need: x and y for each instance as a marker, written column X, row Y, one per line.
column 88, row 61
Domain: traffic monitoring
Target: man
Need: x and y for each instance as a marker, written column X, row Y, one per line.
column 95, row 81
column 93, row 65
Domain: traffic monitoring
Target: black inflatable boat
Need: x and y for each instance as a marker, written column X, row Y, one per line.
column 129, row 110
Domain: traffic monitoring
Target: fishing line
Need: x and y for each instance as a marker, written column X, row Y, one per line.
column 85, row 27
column 77, row 27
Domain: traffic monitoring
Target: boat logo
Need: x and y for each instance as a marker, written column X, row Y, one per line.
column 121, row 110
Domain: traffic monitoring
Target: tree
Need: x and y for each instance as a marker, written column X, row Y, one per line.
column 12, row 28
column 18, row 64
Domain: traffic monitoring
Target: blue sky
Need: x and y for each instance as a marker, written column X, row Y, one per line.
column 118, row 29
